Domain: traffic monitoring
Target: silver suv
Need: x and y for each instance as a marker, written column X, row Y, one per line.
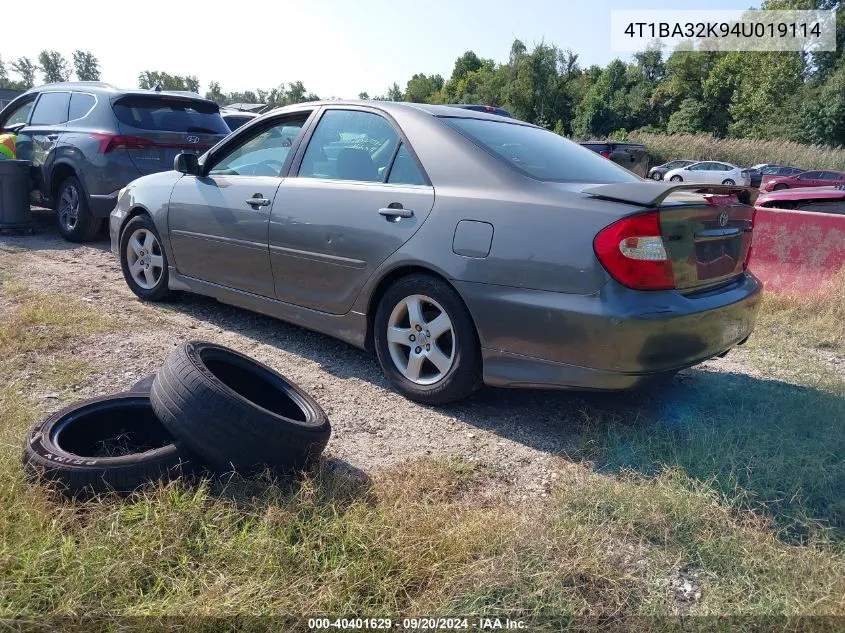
column 87, row 140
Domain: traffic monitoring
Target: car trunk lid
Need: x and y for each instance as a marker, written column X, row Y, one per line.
column 706, row 231
column 155, row 128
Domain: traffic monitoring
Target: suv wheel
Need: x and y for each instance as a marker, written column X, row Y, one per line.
column 426, row 342
column 73, row 215
column 143, row 260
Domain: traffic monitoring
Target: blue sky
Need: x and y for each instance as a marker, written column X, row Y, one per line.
column 336, row 47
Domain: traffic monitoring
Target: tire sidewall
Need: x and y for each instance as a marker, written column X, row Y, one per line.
column 161, row 289
column 83, row 218
column 44, row 452
column 676, row 179
column 464, row 376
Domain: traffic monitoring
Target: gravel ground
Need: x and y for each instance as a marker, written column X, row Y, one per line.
column 517, row 435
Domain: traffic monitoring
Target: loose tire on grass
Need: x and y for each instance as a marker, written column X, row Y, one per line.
column 235, row 413
column 111, row 443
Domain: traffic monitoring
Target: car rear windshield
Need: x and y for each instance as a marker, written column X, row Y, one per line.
column 168, row 114
column 539, row 153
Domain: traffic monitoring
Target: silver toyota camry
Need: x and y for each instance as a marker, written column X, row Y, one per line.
column 461, row 247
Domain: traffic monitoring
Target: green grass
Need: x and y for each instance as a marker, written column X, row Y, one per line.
column 742, row 152
column 708, row 504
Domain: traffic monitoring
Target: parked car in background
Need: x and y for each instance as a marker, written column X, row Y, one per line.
column 710, row 172
column 87, row 140
column 818, row 199
column 236, row 118
column 813, row 178
column 462, row 247
column 631, row 156
column 764, row 172
column 657, row 172
column 482, row 108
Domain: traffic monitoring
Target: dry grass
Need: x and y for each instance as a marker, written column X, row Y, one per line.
column 742, row 152
column 415, row 540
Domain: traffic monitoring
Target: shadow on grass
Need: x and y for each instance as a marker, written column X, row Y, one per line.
column 765, row 443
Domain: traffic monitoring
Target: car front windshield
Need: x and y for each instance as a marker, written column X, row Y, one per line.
column 539, row 153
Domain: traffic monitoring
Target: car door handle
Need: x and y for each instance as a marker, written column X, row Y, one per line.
column 257, row 201
column 397, row 212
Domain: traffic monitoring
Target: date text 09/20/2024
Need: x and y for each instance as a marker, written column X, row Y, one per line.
column 416, row 624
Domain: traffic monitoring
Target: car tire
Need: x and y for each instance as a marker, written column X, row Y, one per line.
column 728, row 181
column 64, row 447
column 408, row 365
column 143, row 260
column 74, row 219
column 236, row 413
column 676, row 179
column 780, row 187
column 656, row 176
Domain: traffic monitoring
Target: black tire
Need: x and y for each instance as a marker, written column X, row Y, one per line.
column 728, row 181
column 73, row 213
column 676, row 179
column 465, row 374
column 64, row 447
column 160, row 291
column 236, row 413
column 144, row 385
column 656, row 175
column 780, row 187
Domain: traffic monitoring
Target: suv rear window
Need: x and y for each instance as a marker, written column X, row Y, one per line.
column 539, row 153
column 169, row 114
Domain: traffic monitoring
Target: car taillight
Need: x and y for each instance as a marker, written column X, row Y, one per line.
column 632, row 251
column 604, row 154
column 111, row 142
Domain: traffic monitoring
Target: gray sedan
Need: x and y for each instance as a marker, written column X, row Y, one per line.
column 461, row 247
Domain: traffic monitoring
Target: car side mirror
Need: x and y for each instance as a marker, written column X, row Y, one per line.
column 14, row 129
column 187, row 163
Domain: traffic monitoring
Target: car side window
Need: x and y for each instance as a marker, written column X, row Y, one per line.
column 808, row 175
column 350, row 145
column 262, row 154
column 404, row 170
column 20, row 115
column 829, row 175
column 699, row 167
column 80, row 105
column 51, row 108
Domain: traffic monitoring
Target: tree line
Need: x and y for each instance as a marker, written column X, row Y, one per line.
column 53, row 66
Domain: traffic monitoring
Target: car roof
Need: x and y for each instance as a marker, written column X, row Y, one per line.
column 397, row 106
column 797, row 193
column 103, row 87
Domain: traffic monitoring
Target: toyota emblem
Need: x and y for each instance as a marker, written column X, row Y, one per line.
column 723, row 218
column 193, row 139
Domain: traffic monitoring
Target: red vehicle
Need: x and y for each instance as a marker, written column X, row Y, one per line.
column 818, row 199
column 819, row 178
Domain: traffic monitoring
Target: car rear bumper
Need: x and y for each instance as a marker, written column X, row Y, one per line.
column 615, row 339
column 102, row 205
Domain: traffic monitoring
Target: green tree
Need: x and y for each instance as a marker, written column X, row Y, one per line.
column 24, row 67
column 394, row 93
column 86, row 66
column 54, row 67
column 215, row 93
column 422, row 88
column 364, row 96
column 4, row 75
column 690, row 118
column 149, row 79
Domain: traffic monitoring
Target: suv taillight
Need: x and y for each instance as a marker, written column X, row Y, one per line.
column 632, row 251
column 605, row 154
column 110, row 142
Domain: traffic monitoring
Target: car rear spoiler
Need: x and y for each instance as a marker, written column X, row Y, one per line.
column 652, row 194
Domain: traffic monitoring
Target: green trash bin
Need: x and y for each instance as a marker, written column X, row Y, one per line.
column 14, row 195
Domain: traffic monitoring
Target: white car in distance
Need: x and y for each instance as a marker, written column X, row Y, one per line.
column 710, row 172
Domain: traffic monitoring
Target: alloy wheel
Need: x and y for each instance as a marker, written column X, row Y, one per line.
column 145, row 259
column 421, row 339
column 69, row 207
